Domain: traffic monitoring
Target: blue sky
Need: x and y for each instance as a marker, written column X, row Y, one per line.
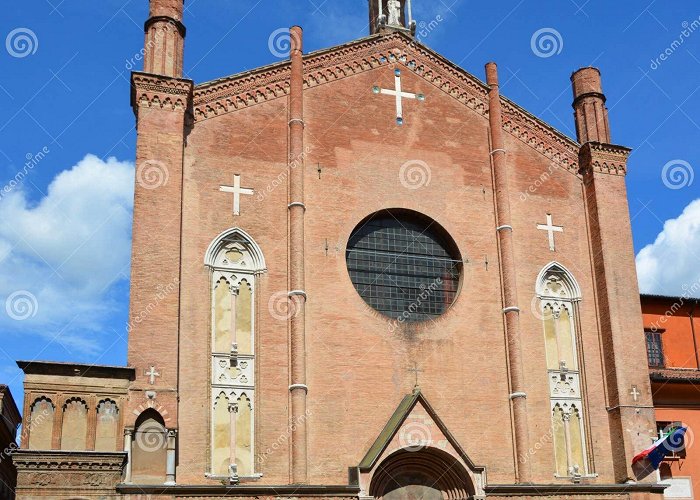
column 64, row 95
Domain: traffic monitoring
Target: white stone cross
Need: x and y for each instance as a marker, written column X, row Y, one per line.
column 237, row 191
column 635, row 393
column 551, row 229
column 152, row 374
column 399, row 94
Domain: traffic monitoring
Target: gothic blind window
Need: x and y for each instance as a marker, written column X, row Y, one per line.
column 655, row 352
column 106, row 437
column 235, row 262
column 41, row 424
column 74, row 429
column 559, row 294
column 404, row 265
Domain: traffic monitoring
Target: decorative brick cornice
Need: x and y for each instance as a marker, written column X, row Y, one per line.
column 155, row 91
column 270, row 82
column 229, row 94
column 75, row 370
column 168, row 20
column 604, row 158
column 560, row 149
column 55, row 460
column 681, row 375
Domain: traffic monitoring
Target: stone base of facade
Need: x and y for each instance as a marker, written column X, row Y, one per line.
column 58, row 474
column 641, row 491
column 68, row 474
column 496, row 492
column 204, row 492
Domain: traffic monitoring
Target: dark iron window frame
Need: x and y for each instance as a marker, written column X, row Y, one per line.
column 653, row 340
column 395, row 258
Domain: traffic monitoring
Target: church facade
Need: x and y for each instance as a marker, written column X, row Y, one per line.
column 359, row 273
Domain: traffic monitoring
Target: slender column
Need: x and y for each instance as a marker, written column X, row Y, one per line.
column 170, row 458
column 120, row 421
column 297, row 295
column 234, row 341
column 233, row 466
column 92, row 422
column 57, row 423
column 128, row 440
column 566, row 418
column 555, row 322
column 508, row 273
column 27, row 420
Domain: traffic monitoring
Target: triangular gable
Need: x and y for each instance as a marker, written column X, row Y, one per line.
column 413, row 425
column 229, row 94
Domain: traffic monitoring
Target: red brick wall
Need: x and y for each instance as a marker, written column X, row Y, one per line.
column 357, row 367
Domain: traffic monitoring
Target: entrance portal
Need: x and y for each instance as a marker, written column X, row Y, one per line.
column 428, row 474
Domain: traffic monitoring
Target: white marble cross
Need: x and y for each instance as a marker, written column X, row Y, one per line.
column 152, row 374
column 237, row 191
column 635, row 393
column 399, row 94
column 551, row 229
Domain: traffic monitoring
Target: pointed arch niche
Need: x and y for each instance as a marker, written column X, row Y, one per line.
column 559, row 296
column 41, row 423
column 74, row 425
column 235, row 262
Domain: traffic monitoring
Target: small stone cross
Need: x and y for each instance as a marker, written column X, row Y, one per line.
column 635, row 393
column 151, row 373
column 237, row 191
column 551, row 229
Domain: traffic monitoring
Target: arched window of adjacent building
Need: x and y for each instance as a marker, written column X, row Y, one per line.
column 149, row 449
column 236, row 263
column 74, row 428
column 40, row 425
column 106, row 426
column 559, row 295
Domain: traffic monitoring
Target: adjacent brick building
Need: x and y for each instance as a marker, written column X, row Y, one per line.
column 671, row 327
column 8, row 434
column 360, row 273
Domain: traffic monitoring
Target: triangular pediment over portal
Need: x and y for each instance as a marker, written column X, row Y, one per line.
column 415, row 433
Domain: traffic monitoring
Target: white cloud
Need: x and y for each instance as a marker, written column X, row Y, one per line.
column 671, row 265
column 68, row 251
